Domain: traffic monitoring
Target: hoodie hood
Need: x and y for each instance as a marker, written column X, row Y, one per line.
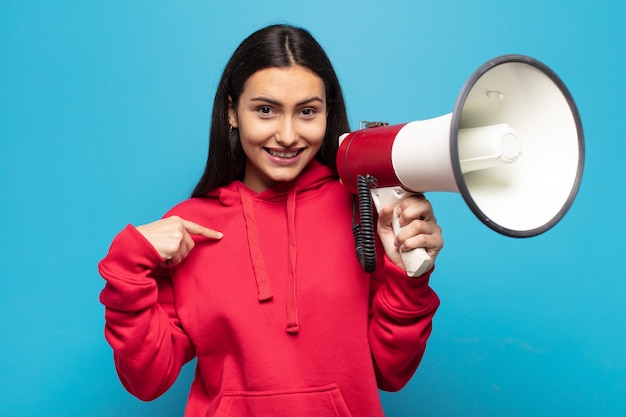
column 311, row 178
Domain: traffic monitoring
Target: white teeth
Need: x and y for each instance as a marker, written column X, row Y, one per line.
column 285, row 155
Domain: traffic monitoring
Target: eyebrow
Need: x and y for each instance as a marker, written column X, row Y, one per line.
column 277, row 103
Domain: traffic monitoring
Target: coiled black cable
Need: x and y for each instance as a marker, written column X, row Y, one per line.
column 364, row 231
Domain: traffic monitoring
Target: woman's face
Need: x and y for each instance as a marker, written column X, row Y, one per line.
column 281, row 117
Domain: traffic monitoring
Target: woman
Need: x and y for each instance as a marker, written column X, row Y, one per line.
column 255, row 275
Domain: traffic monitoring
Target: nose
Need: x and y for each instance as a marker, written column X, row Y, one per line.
column 287, row 134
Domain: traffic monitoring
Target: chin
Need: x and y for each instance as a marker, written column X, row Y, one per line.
column 285, row 177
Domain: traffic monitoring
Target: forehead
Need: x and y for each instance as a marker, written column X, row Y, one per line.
column 285, row 84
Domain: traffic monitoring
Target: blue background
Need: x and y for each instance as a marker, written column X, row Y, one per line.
column 104, row 117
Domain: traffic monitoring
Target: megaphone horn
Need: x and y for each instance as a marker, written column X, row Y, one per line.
column 513, row 148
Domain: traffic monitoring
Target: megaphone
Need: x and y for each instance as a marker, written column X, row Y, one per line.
column 513, row 147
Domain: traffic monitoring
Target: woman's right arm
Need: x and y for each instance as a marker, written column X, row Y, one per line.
column 149, row 345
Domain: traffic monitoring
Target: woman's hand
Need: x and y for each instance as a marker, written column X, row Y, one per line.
column 171, row 237
column 419, row 228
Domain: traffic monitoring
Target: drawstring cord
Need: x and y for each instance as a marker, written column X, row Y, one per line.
column 292, row 306
column 258, row 263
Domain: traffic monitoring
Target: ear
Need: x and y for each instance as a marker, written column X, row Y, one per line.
column 232, row 114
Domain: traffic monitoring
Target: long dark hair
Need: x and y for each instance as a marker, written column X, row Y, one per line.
column 275, row 46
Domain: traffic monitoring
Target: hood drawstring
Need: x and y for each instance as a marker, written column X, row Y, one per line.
column 292, row 306
column 258, row 261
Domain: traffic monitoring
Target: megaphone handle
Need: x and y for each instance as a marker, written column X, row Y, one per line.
column 416, row 261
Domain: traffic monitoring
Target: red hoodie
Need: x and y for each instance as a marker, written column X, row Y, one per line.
column 280, row 315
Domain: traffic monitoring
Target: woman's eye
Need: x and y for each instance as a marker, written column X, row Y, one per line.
column 265, row 110
column 308, row 112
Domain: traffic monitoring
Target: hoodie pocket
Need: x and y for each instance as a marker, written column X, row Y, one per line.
column 323, row 401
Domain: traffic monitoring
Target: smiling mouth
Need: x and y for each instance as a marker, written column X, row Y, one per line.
column 284, row 154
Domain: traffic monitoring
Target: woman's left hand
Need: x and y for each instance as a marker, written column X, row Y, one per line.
column 419, row 228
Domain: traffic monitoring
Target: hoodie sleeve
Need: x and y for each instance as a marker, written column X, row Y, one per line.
column 149, row 345
column 401, row 313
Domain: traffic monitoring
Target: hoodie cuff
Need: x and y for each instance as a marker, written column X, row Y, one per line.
column 131, row 253
column 129, row 268
column 407, row 296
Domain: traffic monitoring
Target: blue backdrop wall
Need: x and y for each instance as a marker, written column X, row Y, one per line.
column 104, row 114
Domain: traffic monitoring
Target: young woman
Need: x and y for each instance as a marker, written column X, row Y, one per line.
column 255, row 275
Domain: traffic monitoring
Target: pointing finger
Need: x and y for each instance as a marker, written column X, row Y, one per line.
column 196, row 229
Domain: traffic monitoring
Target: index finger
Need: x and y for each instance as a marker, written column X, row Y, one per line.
column 196, row 229
column 415, row 207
